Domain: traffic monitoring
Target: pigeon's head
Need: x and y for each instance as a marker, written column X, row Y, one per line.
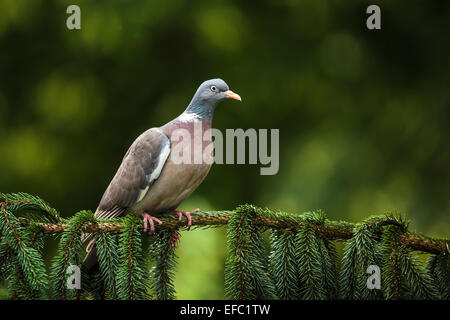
column 209, row 94
column 215, row 90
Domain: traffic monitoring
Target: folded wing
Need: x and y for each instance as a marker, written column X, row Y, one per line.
column 140, row 168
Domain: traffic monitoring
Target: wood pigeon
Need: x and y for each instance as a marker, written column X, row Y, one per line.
column 151, row 178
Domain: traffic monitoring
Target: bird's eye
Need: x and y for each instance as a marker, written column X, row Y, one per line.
column 213, row 88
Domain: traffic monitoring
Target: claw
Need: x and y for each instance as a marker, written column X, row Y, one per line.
column 148, row 219
column 187, row 214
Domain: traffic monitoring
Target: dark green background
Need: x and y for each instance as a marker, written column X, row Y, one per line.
column 363, row 115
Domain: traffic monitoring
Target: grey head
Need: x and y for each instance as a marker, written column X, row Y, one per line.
column 208, row 94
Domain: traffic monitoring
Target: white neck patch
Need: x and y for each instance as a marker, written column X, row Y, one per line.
column 188, row 117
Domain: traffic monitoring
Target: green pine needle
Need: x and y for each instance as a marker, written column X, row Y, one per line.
column 302, row 262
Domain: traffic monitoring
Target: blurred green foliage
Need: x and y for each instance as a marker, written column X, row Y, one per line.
column 363, row 115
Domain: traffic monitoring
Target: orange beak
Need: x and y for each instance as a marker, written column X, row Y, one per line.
column 232, row 95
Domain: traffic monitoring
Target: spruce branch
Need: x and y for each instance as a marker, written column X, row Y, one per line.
column 302, row 262
column 108, row 257
column 283, row 264
column 238, row 278
column 162, row 250
column 5, row 259
column 29, row 259
column 309, row 260
column 132, row 273
column 438, row 268
column 332, row 230
column 329, row 265
column 69, row 253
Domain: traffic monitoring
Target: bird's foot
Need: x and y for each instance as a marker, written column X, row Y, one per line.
column 187, row 214
column 148, row 219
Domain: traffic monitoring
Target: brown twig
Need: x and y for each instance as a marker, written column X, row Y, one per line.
column 329, row 229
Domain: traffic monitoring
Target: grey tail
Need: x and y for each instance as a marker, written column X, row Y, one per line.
column 90, row 260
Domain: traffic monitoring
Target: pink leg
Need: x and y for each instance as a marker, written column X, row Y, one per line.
column 187, row 214
column 149, row 219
